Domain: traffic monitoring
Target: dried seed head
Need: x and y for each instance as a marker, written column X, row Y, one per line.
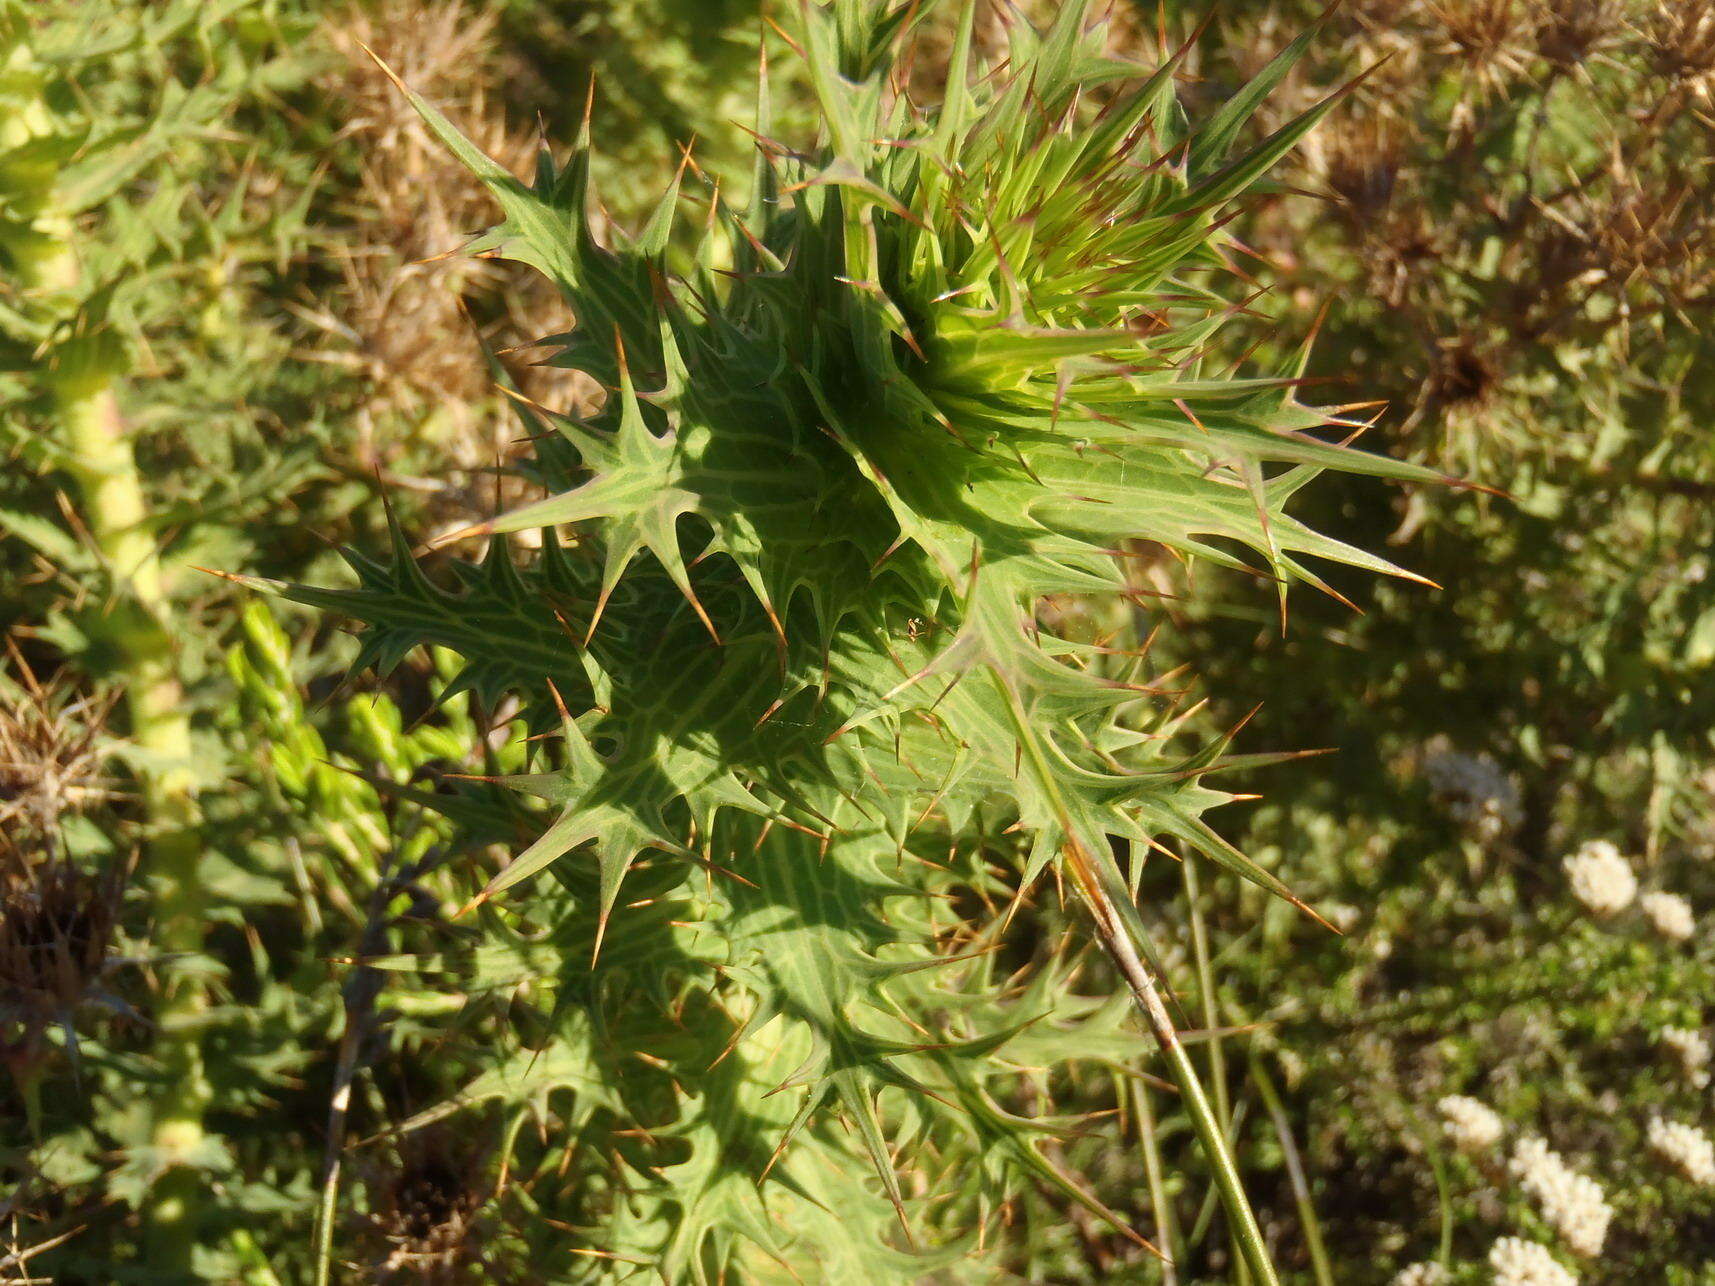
column 424, row 1208
column 1655, row 229
column 1364, row 156
column 56, row 932
column 49, row 751
column 1681, row 36
column 1466, row 377
column 1400, row 256
column 1570, row 31
column 1489, row 36
column 1559, row 255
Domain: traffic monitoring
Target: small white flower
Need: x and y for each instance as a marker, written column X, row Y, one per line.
column 1685, row 1146
column 1601, row 879
column 1517, row 1262
column 1691, row 1049
column 1670, row 914
column 1473, row 1126
column 1424, row 1274
column 1572, row 1203
column 1529, row 1155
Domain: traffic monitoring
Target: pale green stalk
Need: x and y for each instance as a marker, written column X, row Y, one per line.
column 1300, row 1182
column 1211, row 1019
column 1167, row 1225
column 114, row 511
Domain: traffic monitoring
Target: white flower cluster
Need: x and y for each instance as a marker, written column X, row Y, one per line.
column 1474, row 788
column 1670, row 915
column 1517, row 1262
column 1601, row 879
column 1685, row 1146
column 1424, row 1274
column 1691, row 1048
column 1472, row 1126
column 1573, row 1203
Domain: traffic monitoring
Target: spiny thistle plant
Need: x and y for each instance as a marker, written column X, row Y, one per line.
column 782, row 629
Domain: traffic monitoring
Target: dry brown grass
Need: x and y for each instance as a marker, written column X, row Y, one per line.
column 409, row 296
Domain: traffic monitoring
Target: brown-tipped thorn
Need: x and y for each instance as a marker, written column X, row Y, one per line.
column 595, row 617
column 559, row 702
column 453, row 537
column 234, row 577
column 697, row 607
column 385, row 69
column 1189, row 413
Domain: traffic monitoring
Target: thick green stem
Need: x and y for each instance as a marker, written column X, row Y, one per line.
column 78, row 376
column 114, row 510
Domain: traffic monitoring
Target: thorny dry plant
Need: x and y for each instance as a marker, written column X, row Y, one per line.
column 50, row 750
column 1681, row 37
column 57, row 922
column 1489, row 36
column 1590, row 229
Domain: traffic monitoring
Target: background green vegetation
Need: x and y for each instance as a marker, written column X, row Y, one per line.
column 246, row 1040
